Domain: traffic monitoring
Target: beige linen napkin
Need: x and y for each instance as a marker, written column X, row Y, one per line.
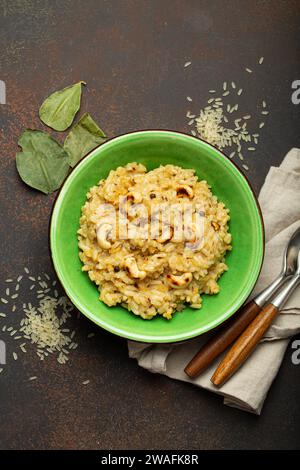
column 247, row 389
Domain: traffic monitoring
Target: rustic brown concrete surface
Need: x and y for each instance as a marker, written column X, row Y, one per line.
column 131, row 54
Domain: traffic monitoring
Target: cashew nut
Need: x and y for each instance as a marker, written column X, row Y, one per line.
column 216, row 226
column 103, row 231
column 179, row 281
column 135, row 197
column 166, row 235
column 131, row 265
column 185, row 191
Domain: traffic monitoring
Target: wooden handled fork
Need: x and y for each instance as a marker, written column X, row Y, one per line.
column 249, row 339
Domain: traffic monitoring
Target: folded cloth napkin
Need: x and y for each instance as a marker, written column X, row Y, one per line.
column 247, row 389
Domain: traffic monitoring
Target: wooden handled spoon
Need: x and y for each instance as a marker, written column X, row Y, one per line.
column 249, row 339
column 241, row 319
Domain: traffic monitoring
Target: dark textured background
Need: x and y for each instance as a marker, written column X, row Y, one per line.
column 131, row 54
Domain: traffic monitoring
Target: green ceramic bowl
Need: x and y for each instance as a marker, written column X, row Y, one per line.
column 154, row 148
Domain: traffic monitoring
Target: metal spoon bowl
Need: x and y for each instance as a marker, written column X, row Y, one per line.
column 289, row 268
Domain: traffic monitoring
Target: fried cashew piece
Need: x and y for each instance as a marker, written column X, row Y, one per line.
column 185, row 191
column 132, row 267
column 166, row 235
column 179, row 281
column 135, row 196
column 103, row 232
column 216, row 226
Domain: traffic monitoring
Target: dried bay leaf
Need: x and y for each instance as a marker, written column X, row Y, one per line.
column 43, row 162
column 83, row 137
column 59, row 109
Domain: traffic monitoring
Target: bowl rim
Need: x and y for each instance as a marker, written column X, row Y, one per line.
column 147, row 338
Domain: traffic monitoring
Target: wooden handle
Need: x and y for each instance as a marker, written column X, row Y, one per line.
column 219, row 342
column 244, row 345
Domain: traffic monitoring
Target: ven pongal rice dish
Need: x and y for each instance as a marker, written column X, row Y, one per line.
column 153, row 241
